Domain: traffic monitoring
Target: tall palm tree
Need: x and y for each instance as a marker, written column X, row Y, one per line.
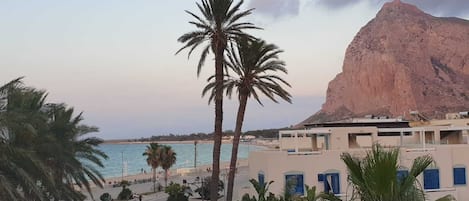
column 167, row 159
column 153, row 154
column 254, row 63
column 219, row 25
column 375, row 176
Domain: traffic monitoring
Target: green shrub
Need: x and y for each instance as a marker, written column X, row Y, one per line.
column 204, row 190
column 105, row 197
column 125, row 194
column 177, row 192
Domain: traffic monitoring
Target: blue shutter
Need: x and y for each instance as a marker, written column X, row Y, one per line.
column 334, row 186
column 401, row 175
column 459, row 176
column 431, row 179
column 260, row 178
column 294, row 184
column 335, row 183
column 320, row 177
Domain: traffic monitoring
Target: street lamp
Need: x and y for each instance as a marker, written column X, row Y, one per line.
column 122, row 154
column 195, row 153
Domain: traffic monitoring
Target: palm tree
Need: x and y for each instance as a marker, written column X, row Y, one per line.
column 21, row 170
column 311, row 195
column 254, row 63
column 153, row 153
column 65, row 149
column 219, row 25
column 167, row 159
column 375, row 176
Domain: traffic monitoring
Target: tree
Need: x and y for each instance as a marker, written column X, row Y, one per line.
column 254, row 63
column 167, row 159
column 153, row 153
column 219, row 25
column 375, row 176
column 65, row 148
column 42, row 147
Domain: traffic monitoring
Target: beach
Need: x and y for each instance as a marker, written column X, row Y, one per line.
column 177, row 176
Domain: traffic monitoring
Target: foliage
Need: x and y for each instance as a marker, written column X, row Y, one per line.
column 204, row 190
column 105, row 197
column 43, row 147
column 375, row 176
column 125, row 194
column 167, row 159
column 263, row 189
column 153, row 154
column 177, row 192
column 446, row 198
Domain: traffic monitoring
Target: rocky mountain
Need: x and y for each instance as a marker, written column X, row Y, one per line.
column 403, row 60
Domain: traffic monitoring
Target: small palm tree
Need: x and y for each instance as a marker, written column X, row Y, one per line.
column 219, row 25
column 254, row 63
column 311, row 195
column 153, row 153
column 168, row 159
column 375, row 176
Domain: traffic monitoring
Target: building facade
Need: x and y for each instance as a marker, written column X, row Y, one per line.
column 312, row 156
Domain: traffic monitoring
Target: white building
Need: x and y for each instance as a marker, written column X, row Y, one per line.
column 312, row 156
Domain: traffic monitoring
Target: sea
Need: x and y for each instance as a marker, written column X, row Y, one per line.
column 127, row 159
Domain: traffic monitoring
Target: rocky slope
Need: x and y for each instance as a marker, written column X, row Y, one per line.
column 403, row 60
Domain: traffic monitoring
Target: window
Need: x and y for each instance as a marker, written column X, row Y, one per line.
column 401, row 175
column 331, row 182
column 261, row 178
column 431, row 179
column 294, row 184
column 459, row 175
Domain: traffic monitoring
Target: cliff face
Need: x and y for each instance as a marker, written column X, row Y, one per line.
column 402, row 60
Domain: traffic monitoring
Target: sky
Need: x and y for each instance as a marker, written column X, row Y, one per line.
column 115, row 60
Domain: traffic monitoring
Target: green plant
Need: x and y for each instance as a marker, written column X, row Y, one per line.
column 125, row 194
column 204, row 190
column 374, row 177
column 177, row 192
column 105, row 197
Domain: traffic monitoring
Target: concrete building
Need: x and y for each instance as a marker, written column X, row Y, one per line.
column 312, row 156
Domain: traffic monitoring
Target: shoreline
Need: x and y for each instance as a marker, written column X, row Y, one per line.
column 269, row 144
column 174, row 172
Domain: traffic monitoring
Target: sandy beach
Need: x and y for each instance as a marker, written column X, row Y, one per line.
column 177, row 176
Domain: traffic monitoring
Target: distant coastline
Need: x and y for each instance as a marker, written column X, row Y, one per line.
column 161, row 142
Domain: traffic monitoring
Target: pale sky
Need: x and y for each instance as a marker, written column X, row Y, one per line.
column 114, row 60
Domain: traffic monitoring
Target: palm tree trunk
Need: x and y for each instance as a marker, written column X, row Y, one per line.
column 154, row 179
column 220, row 48
column 234, row 152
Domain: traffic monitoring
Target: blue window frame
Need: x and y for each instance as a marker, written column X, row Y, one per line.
column 261, row 178
column 331, row 182
column 431, row 179
column 295, row 184
column 459, row 175
column 401, row 175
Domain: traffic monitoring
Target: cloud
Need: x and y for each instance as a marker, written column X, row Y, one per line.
column 435, row 7
column 335, row 4
column 276, row 8
column 444, row 8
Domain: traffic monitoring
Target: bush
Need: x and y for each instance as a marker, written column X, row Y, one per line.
column 125, row 194
column 177, row 192
column 105, row 197
column 204, row 190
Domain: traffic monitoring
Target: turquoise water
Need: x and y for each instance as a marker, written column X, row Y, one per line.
column 131, row 154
